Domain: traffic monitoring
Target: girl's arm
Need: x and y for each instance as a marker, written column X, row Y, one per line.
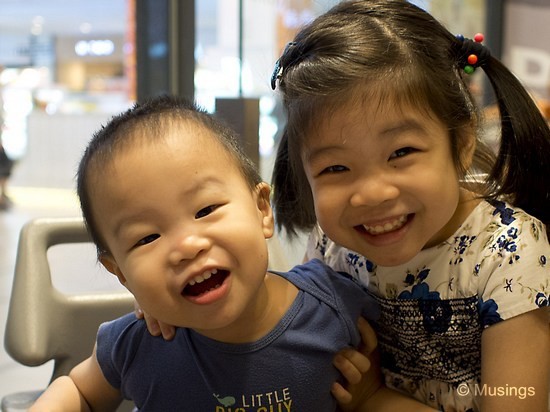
column 85, row 389
column 515, row 363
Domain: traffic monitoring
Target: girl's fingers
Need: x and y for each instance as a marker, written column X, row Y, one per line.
column 168, row 331
column 341, row 395
column 368, row 336
column 352, row 364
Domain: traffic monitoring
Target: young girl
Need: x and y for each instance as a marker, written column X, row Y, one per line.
column 380, row 151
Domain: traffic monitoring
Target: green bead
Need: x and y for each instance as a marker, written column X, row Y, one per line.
column 469, row 69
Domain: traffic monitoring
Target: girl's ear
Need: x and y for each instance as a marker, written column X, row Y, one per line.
column 109, row 262
column 263, row 191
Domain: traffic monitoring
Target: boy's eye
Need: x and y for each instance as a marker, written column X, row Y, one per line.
column 404, row 151
column 334, row 169
column 205, row 211
column 148, row 239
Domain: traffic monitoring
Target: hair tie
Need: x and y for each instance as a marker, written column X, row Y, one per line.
column 278, row 69
column 472, row 53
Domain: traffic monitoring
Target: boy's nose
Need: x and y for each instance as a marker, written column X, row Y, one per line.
column 373, row 191
column 187, row 247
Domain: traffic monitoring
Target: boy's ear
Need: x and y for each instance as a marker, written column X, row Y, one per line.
column 110, row 264
column 263, row 192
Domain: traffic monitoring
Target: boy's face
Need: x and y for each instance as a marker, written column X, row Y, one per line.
column 383, row 180
column 185, row 232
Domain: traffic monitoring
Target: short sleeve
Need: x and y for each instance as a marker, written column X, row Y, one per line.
column 340, row 259
column 114, row 348
column 514, row 276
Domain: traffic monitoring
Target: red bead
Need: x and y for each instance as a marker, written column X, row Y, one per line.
column 479, row 37
column 472, row 59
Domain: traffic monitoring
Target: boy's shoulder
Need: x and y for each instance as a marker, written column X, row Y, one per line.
column 336, row 289
column 126, row 325
column 317, row 274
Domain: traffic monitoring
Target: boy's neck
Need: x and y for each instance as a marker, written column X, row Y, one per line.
column 272, row 302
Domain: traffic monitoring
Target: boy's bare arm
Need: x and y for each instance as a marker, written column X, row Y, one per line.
column 85, row 389
column 61, row 395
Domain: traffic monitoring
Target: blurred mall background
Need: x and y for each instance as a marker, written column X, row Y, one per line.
column 66, row 66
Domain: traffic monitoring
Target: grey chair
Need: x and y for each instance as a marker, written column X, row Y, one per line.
column 45, row 324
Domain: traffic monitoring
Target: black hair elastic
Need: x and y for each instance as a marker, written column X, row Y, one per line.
column 278, row 69
column 472, row 53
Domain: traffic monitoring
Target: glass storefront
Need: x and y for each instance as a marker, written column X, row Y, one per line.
column 64, row 70
column 65, row 67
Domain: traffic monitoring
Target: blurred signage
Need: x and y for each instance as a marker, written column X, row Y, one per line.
column 94, row 47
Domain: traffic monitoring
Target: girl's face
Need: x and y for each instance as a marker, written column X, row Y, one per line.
column 185, row 232
column 383, row 180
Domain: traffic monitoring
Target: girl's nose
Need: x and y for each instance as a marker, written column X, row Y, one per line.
column 187, row 247
column 373, row 191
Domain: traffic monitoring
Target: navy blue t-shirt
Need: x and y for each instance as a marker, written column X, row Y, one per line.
column 289, row 369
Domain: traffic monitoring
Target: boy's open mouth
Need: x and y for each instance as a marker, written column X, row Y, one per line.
column 206, row 282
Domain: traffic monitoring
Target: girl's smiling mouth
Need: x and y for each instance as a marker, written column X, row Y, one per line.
column 385, row 227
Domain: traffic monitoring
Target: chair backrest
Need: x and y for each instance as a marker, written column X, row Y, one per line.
column 44, row 323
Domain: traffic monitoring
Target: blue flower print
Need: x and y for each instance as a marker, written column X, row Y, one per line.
column 420, row 291
column 506, row 214
column 353, row 260
column 462, row 244
column 322, row 245
column 488, row 312
column 506, row 244
column 436, row 313
column 370, row 266
column 410, row 279
column 542, row 300
column 513, row 232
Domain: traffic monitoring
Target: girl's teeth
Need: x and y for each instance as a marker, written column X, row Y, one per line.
column 386, row 227
column 201, row 278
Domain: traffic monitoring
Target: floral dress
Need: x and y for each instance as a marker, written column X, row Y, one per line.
column 434, row 307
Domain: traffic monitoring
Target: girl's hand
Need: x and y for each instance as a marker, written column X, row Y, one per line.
column 360, row 369
column 155, row 327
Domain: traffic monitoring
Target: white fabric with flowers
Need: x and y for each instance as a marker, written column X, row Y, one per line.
column 435, row 307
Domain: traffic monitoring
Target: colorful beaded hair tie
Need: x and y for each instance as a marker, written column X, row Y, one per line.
column 472, row 53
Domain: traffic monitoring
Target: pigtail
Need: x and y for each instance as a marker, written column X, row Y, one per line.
column 294, row 211
column 522, row 167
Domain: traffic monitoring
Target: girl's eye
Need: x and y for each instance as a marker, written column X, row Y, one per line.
column 205, row 211
column 333, row 169
column 404, row 151
column 148, row 239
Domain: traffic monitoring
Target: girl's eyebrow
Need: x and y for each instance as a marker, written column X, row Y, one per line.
column 403, row 126
column 393, row 130
column 319, row 151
